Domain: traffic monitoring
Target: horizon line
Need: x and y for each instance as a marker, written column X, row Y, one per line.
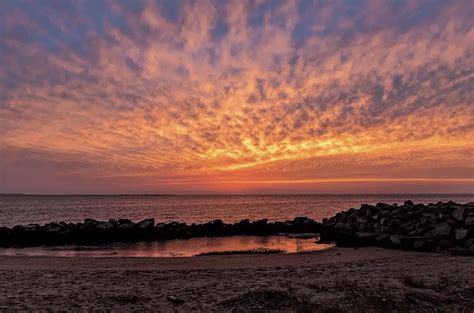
column 240, row 194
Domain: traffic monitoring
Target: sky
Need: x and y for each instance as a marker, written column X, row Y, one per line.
column 236, row 96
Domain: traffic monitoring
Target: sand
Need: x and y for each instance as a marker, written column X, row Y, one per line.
column 337, row 279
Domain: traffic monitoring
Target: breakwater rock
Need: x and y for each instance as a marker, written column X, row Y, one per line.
column 123, row 230
column 437, row 227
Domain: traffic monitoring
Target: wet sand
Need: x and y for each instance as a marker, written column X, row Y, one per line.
column 365, row 279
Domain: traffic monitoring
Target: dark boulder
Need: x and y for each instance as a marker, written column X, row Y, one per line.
column 441, row 230
column 423, row 245
column 396, row 240
column 458, row 214
column 104, row 226
column 469, row 221
column 366, row 239
column 124, row 225
column 89, row 224
column 383, row 205
column 5, row 239
column 445, row 244
column 461, row 234
column 436, row 227
column 147, row 224
column 469, row 244
column 259, row 227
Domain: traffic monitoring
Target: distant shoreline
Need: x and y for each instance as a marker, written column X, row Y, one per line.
column 236, row 195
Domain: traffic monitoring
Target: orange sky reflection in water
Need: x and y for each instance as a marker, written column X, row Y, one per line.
column 177, row 248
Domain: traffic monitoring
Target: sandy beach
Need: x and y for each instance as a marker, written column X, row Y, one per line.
column 237, row 156
column 337, row 279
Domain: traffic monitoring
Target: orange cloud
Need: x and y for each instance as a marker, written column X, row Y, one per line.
column 249, row 95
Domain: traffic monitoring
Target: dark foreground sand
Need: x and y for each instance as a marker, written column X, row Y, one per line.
column 347, row 280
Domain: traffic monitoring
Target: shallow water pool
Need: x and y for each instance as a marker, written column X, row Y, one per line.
column 174, row 248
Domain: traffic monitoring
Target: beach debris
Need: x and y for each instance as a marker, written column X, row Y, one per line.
column 175, row 299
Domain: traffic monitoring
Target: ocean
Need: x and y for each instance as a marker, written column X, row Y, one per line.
column 25, row 209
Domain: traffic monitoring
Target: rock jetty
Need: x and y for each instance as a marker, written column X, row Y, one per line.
column 440, row 227
column 123, row 230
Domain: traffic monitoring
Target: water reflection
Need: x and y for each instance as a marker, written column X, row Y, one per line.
column 173, row 248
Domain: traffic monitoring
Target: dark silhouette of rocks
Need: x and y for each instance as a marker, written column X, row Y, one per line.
column 434, row 227
column 124, row 230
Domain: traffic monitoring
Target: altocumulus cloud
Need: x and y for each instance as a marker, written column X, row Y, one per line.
column 234, row 95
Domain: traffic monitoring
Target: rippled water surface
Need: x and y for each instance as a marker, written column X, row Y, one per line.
column 16, row 210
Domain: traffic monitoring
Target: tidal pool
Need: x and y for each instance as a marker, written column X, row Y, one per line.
column 174, row 248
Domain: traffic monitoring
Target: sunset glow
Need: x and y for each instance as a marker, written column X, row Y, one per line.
column 236, row 96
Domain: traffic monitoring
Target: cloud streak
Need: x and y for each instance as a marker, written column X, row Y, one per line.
column 144, row 96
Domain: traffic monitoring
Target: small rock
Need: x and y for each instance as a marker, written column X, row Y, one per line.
column 175, row 300
column 366, row 238
column 300, row 219
column 469, row 221
column 146, row 224
column 423, row 245
column 126, row 225
column 461, row 234
column 89, row 223
column 408, row 203
column 160, row 226
column 469, row 244
column 445, row 244
column 442, row 230
column 459, row 214
column 104, row 226
column 395, row 240
column 54, row 230
column 27, row 228
column 383, row 239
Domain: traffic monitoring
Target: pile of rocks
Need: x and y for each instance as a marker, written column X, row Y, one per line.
column 122, row 230
column 433, row 227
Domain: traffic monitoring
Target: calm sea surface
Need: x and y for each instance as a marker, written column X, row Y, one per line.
column 16, row 210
